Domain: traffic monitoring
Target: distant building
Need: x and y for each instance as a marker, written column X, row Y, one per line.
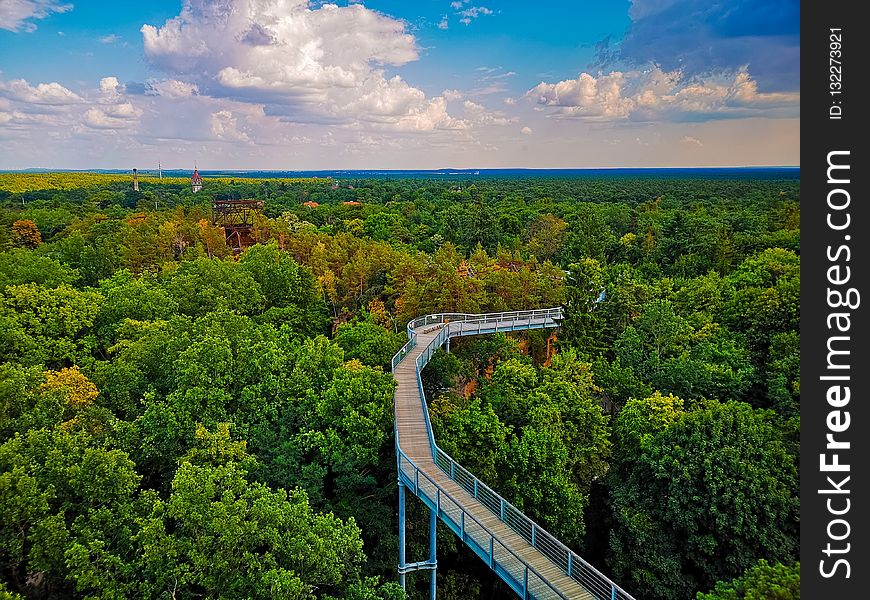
column 239, row 220
column 196, row 181
column 311, row 204
column 352, row 203
column 135, row 180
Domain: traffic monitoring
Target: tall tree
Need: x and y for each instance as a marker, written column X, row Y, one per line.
column 582, row 326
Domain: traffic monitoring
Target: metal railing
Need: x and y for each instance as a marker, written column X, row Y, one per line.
column 572, row 564
column 500, row 558
column 527, row 581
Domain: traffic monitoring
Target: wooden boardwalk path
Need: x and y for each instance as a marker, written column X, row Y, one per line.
column 530, row 560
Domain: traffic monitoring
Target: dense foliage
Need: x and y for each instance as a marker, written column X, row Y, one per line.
column 761, row 582
column 180, row 421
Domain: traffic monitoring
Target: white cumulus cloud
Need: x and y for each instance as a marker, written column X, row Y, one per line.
column 225, row 126
column 656, row 95
column 53, row 94
column 451, row 95
column 477, row 113
column 303, row 62
column 112, row 109
column 18, row 15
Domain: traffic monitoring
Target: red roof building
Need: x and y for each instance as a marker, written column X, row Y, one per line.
column 196, row 181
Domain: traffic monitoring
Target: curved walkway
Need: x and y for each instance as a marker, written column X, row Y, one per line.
column 530, row 560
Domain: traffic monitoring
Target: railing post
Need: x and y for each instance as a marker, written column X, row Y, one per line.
column 501, row 509
column 462, row 523
column 475, row 488
column 570, row 556
column 491, row 552
column 533, row 534
column 452, row 471
column 417, row 481
column 526, row 583
column 612, row 591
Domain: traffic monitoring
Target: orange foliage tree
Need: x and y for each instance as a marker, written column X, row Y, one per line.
column 26, row 233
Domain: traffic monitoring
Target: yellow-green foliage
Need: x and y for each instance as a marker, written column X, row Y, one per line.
column 28, row 182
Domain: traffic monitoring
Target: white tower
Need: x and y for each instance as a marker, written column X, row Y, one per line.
column 196, row 181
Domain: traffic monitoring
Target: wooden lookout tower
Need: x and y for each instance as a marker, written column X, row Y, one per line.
column 237, row 218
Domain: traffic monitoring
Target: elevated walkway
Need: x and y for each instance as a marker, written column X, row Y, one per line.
column 526, row 557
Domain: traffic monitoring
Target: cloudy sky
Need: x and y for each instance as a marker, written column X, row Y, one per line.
column 293, row 84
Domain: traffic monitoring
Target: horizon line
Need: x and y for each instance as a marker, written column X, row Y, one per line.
column 435, row 169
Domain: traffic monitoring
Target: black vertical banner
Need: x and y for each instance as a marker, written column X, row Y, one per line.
column 835, row 299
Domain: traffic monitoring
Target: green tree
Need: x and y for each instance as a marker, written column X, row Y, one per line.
column 664, row 350
column 708, row 495
column 369, row 343
column 19, row 266
column 582, row 326
column 62, row 495
column 203, row 285
column 131, row 297
column 760, row 582
column 471, row 432
column 223, row 536
column 53, row 326
column 640, row 421
column 289, row 289
column 557, row 431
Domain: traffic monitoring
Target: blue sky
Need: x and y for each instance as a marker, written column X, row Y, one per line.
column 388, row 84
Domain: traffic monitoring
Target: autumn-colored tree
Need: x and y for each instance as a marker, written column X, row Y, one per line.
column 213, row 239
column 26, row 234
column 80, row 392
column 380, row 314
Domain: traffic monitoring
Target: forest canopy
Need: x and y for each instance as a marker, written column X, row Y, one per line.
column 178, row 419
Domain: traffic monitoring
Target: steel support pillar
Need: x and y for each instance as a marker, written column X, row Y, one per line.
column 402, row 534
column 433, row 549
column 432, row 563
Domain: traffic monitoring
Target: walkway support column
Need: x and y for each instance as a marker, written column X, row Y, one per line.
column 402, row 534
column 433, row 549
